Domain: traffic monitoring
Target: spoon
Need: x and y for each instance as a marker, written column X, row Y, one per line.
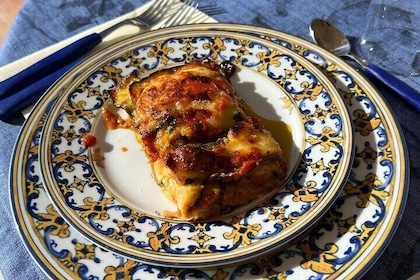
column 330, row 38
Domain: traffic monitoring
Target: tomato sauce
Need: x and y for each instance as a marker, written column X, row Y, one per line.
column 113, row 121
column 88, row 140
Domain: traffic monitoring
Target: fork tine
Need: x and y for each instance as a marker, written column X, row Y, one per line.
column 181, row 15
column 156, row 9
column 152, row 8
column 193, row 7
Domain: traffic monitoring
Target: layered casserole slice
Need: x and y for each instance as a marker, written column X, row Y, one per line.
column 206, row 154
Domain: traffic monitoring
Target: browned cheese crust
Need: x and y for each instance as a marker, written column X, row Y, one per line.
column 207, row 155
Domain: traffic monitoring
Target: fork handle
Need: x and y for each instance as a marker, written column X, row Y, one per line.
column 49, row 65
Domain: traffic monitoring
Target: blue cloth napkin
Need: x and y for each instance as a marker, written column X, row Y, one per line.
column 43, row 23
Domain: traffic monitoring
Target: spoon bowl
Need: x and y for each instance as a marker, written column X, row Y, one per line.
column 330, row 38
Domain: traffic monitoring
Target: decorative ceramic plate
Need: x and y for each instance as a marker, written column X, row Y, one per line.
column 109, row 195
column 344, row 243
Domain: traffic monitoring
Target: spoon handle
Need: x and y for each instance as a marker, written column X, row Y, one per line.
column 402, row 89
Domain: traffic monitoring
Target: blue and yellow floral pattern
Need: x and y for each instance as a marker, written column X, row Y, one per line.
column 348, row 231
column 317, row 179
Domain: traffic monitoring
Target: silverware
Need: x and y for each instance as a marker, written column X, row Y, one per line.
column 182, row 16
column 151, row 16
column 72, row 52
column 26, row 96
column 329, row 37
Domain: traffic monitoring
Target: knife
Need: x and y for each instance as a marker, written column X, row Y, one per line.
column 26, row 87
column 77, row 49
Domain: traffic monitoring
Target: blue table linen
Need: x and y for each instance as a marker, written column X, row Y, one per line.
column 43, row 23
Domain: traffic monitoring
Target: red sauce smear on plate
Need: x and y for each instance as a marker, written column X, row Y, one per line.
column 88, row 140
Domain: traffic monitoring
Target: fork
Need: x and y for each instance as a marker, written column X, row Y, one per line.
column 150, row 17
column 14, row 103
column 70, row 54
column 182, row 16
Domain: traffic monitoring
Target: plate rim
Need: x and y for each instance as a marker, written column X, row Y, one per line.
column 391, row 226
column 212, row 259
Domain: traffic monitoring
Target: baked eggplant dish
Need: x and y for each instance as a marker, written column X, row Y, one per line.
column 207, row 155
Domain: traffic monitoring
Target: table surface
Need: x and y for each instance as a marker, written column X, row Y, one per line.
column 42, row 23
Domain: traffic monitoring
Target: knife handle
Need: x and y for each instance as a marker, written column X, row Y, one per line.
column 49, row 65
column 13, row 104
column 398, row 86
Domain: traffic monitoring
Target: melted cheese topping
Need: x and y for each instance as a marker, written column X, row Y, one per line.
column 207, row 154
